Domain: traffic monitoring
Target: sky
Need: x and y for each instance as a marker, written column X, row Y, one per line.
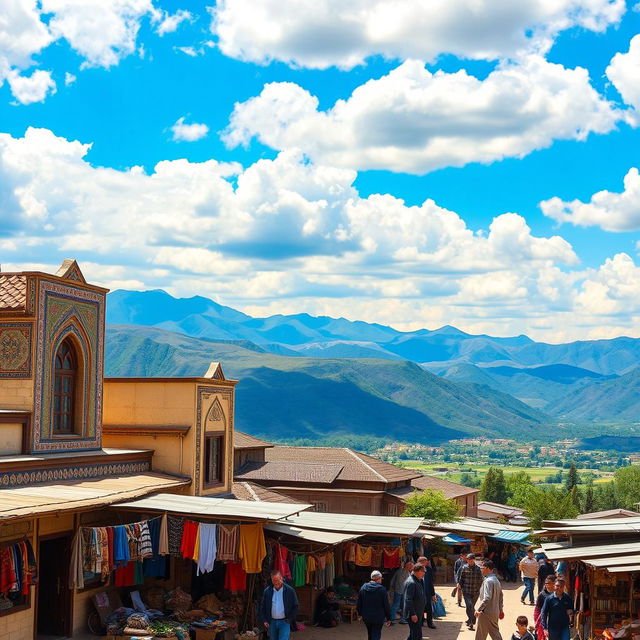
column 463, row 162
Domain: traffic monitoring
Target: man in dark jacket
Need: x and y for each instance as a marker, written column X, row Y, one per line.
column 470, row 580
column 546, row 569
column 414, row 602
column 429, row 590
column 373, row 606
column 557, row 613
column 278, row 608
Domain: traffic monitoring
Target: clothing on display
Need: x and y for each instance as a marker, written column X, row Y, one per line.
column 18, row 568
column 252, row 548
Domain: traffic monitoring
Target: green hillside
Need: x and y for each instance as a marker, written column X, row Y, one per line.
column 316, row 397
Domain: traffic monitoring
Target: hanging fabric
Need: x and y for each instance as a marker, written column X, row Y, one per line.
column 252, row 548
column 207, row 548
column 228, row 536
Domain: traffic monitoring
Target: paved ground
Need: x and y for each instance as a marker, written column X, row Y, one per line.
column 450, row 628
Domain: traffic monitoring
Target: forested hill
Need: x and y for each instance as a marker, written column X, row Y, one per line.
column 315, row 397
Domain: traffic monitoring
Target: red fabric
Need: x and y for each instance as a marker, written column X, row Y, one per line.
column 7, row 571
column 235, row 577
column 189, row 534
column 391, row 558
column 125, row 576
column 110, row 540
column 280, row 561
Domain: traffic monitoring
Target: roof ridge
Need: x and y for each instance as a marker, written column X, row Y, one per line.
column 249, row 488
column 356, row 455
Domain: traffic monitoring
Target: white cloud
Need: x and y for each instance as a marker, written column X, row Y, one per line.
column 417, row 121
column 170, row 22
column 22, row 34
column 69, row 79
column 297, row 236
column 33, row 88
column 607, row 209
column 624, row 73
column 323, row 33
column 188, row 132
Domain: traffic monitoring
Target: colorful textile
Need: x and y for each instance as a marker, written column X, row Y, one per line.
column 120, row 546
column 311, row 569
column 252, row 548
column 299, row 570
column 228, row 542
column 235, row 577
column 364, row 556
column 391, row 558
column 163, row 543
column 176, row 526
column 280, row 560
column 189, row 533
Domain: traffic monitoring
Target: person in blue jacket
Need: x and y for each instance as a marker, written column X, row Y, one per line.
column 557, row 613
column 279, row 608
column 373, row 606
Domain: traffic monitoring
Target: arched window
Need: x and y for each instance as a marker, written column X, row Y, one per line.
column 64, row 388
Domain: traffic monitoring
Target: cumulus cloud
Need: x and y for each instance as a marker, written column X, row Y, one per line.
column 33, row 88
column 188, row 132
column 607, row 209
column 624, row 73
column 417, row 121
column 168, row 23
column 323, row 33
column 285, row 231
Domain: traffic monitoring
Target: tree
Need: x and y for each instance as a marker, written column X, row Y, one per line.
column 588, row 501
column 605, row 496
column 469, row 480
column 548, row 504
column 432, row 506
column 572, row 478
column 493, row 487
column 515, row 482
column 627, row 481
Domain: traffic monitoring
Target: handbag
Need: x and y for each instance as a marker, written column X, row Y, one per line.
column 438, row 608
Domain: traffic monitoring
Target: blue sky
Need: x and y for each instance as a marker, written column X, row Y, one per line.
column 375, row 160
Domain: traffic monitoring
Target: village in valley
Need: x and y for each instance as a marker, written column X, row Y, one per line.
column 133, row 507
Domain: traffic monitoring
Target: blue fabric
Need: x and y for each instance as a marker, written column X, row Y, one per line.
column 156, row 566
column 373, row 603
column 560, row 634
column 438, row 608
column 374, row 630
column 279, row 630
column 120, row 546
column 529, row 584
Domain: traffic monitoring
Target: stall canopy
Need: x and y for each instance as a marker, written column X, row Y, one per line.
column 311, row 535
column 514, row 537
column 585, row 552
column 352, row 523
column 454, row 539
column 477, row 526
column 214, row 507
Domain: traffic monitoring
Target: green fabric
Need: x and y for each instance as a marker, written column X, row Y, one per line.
column 299, row 570
column 138, row 574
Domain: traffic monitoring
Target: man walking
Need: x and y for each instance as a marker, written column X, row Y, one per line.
column 278, row 608
column 529, row 568
column 490, row 605
column 414, row 602
column 373, row 606
column 470, row 581
column 557, row 613
column 429, row 590
column 396, row 587
column 460, row 562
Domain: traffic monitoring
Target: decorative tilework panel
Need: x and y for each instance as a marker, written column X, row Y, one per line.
column 15, row 350
column 20, row 478
column 68, row 311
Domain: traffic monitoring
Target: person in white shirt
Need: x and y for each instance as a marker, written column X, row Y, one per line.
column 529, row 568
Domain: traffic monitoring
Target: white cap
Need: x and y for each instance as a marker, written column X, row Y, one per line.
column 375, row 574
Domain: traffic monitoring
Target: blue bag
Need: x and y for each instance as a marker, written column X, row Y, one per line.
column 438, row 608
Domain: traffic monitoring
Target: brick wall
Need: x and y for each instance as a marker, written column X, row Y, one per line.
column 17, row 626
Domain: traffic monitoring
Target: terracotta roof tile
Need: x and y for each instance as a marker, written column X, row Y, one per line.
column 356, row 466
column 13, row 292
column 288, row 472
column 252, row 491
column 245, row 441
column 448, row 488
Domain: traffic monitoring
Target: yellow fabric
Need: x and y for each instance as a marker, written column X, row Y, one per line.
column 364, row 556
column 196, row 546
column 311, row 568
column 252, row 548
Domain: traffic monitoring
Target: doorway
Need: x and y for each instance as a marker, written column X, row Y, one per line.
column 54, row 596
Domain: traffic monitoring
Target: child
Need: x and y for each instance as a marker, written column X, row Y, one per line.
column 522, row 632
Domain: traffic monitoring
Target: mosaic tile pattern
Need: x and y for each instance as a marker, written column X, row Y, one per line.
column 68, row 311
column 15, row 350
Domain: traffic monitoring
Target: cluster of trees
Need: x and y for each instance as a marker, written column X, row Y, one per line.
column 567, row 501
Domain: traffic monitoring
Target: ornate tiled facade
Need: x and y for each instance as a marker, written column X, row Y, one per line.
column 21, row 478
column 15, row 350
column 68, row 311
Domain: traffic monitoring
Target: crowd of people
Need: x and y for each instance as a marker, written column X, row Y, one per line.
column 412, row 596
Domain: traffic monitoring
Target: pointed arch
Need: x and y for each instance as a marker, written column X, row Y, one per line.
column 215, row 418
column 66, row 378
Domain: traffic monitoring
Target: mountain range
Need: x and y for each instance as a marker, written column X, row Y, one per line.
column 318, row 376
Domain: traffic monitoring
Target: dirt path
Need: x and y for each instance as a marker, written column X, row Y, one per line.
column 450, row 628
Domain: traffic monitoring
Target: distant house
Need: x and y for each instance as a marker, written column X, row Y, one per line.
column 337, row 479
column 497, row 512
column 610, row 513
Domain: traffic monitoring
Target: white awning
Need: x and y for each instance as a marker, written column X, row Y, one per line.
column 596, row 551
column 311, row 535
column 613, row 561
column 634, row 567
column 224, row 508
column 352, row 523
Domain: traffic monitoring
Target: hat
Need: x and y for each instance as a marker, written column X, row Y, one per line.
column 375, row 575
column 471, row 556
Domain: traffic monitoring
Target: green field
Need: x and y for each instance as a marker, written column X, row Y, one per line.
column 538, row 474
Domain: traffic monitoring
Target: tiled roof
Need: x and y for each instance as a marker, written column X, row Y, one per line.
column 448, row 488
column 288, row 472
column 252, row 491
column 245, row 441
column 356, row 466
column 13, row 292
